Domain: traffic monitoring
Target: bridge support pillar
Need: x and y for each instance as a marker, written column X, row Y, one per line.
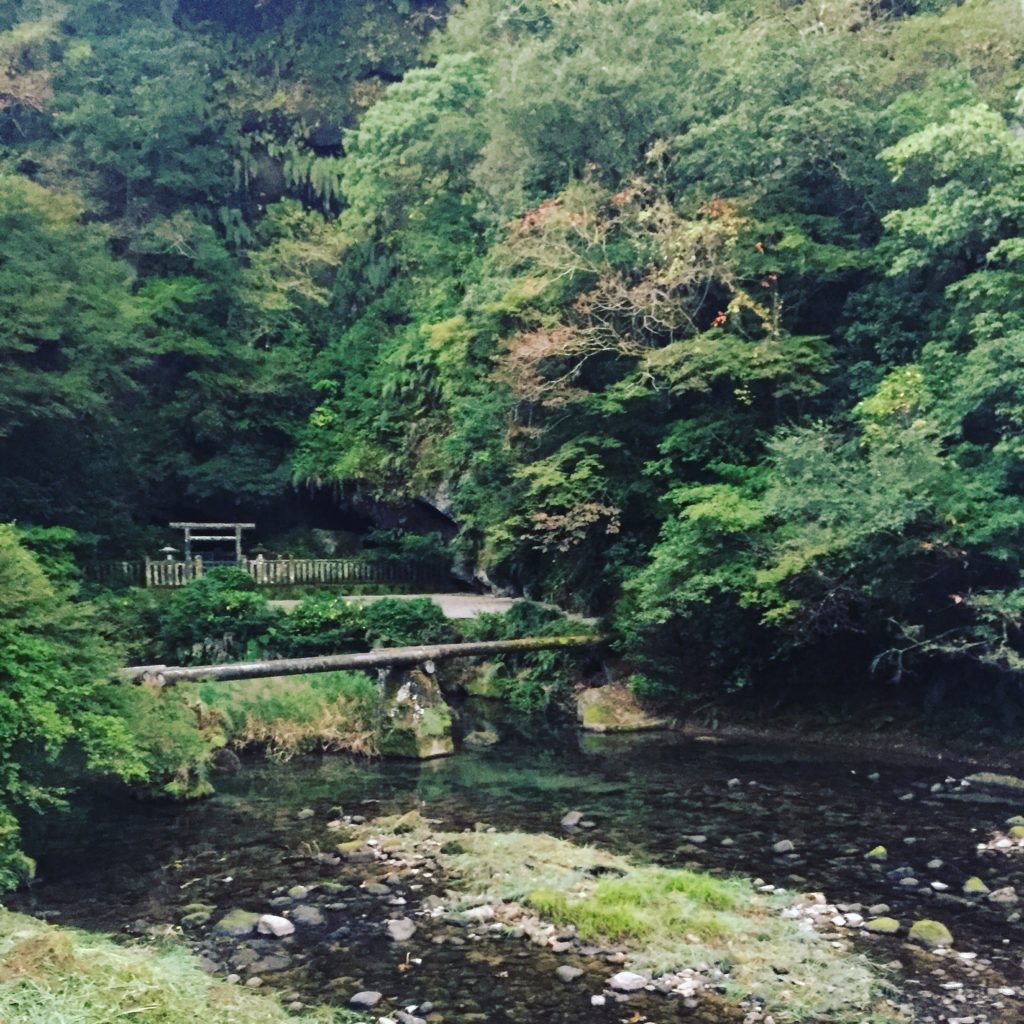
column 417, row 721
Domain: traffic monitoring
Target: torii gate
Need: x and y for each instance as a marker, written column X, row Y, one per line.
column 235, row 533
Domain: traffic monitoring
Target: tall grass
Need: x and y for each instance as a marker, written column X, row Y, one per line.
column 53, row 975
column 288, row 715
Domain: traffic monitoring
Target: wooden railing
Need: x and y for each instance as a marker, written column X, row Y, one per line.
column 117, row 574
column 282, row 572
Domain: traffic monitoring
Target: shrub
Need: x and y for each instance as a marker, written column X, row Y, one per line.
column 175, row 736
column 219, row 617
column 533, row 682
column 394, row 623
column 131, row 621
column 55, row 702
column 399, row 546
column 320, row 624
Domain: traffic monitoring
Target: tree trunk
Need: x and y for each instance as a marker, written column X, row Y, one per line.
column 388, row 657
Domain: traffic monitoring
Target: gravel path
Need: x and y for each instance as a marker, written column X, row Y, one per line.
column 455, row 606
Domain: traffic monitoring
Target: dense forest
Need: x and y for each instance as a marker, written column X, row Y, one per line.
column 703, row 316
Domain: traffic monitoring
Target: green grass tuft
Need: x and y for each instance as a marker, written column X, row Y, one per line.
column 670, row 919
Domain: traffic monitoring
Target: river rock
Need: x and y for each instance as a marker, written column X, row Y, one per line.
column 298, row 892
column 1006, row 895
column 627, row 981
column 272, row 963
column 784, row 846
column 930, row 934
column 403, row 1017
column 237, row 924
column 568, row 973
column 310, row 917
column 365, row 1000
column 883, row 926
column 616, row 709
column 990, row 782
column 480, row 738
column 271, row 924
column 401, row 929
column 571, row 819
column 974, row 886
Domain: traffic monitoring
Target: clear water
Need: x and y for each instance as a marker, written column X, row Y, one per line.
column 125, row 865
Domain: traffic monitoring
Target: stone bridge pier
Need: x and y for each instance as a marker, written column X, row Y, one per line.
column 416, row 718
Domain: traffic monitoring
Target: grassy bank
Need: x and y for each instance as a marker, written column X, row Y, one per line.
column 52, row 975
column 288, row 715
column 665, row 920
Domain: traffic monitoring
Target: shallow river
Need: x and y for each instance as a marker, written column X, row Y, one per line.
column 129, row 866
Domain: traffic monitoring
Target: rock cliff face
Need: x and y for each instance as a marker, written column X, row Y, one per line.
column 616, row 709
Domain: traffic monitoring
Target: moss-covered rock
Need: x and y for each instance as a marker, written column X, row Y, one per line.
column 930, row 934
column 974, row 886
column 237, row 924
column 616, row 709
column 480, row 738
column 879, row 853
column 418, row 721
column 1016, row 832
column 883, row 926
column 991, row 782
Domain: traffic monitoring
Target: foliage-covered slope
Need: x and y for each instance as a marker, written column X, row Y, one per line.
column 706, row 311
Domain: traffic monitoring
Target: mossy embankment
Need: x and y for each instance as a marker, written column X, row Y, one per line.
column 51, row 975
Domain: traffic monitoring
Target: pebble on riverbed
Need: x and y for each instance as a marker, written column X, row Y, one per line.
column 401, row 929
column 271, row 924
column 627, row 981
column 364, row 1000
